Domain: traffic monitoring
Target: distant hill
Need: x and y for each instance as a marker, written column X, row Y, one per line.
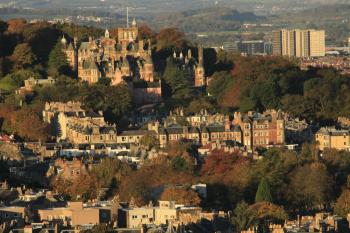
column 203, row 20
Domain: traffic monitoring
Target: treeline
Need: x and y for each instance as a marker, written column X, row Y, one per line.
column 259, row 83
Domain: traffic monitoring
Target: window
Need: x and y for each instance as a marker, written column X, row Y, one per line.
column 144, row 216
column 134, row 217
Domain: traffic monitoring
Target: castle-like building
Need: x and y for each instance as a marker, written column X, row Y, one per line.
column 125, row 58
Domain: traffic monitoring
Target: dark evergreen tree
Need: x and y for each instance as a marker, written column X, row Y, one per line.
column 58, row 64
column 264, row 192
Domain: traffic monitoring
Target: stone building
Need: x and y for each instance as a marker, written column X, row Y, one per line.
column 166, row 213
column 331, row 138
column 78, row 126
column 68, row 169
column 251, row 130
column 75, row 214
column 261, row 130
column 124, row 59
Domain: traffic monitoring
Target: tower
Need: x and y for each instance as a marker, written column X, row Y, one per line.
column 147, row 70
column 199, row 78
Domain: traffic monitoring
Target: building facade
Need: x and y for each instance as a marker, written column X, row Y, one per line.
column 331, row 138
column 299, row 43
column 123, row 59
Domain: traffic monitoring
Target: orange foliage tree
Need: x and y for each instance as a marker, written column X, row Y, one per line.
column 181, row 195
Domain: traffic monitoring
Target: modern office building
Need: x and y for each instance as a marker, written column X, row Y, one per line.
column 299, row 43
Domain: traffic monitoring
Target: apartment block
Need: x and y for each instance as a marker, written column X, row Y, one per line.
column 299, row 43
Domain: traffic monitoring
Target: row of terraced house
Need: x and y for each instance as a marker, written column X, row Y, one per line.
column 251, row 130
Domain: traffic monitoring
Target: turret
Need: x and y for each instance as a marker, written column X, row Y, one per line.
column 189, row 54
column 107, row 35
column 134, row 23
column 64, row 41
column 200, row 55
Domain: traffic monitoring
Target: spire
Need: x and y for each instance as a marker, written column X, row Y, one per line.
column 127, row 17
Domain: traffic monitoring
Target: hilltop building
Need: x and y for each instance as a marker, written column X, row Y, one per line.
column 299, row 43
column 123, row 59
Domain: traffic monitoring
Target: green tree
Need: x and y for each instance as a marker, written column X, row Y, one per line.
column 58, row 64
column 176, row 84
column 149, row 141
column 243, row 218
column 263, row 194
column 109, row 169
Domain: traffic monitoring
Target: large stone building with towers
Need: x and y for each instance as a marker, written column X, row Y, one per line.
column 123, row 59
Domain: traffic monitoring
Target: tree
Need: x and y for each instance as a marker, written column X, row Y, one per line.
column 182, row 196
column 100, row 228
column 23, row 56
column 263, row 193
column 58, row 64
column 170, row 38
column 16, row 25
column 310, row 186
column 109, row 169
column 342, row 206
column 176, row 83
column 243, row 218
column 149, row 141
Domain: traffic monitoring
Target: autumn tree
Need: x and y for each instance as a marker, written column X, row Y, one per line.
column 16, row 25
column 23, row 56
column 342, row 206
column 170, row 38
column 181, row 195
column 311, row 186
column 82, row 188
